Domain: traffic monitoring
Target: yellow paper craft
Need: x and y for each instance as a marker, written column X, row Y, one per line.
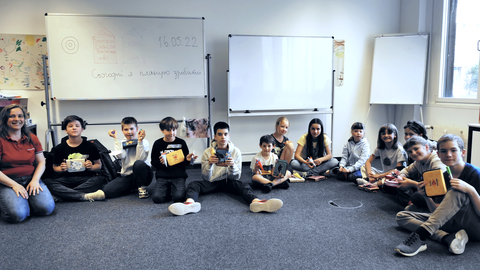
column 175, row 157
column 434, row 183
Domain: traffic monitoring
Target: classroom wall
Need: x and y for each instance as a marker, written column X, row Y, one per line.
column 444, row 117
column 357, row 22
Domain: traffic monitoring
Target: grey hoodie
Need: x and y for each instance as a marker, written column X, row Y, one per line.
column 354, row 155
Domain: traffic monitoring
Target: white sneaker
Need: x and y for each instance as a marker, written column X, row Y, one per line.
column 98, row 195
column 457, row 246
column 142, row 192
column 361, row 181
column 271, row 205
column 180, row 209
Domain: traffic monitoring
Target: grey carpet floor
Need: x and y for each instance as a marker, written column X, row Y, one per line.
column 307, row 233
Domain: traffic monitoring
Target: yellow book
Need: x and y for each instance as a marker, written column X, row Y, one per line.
column 175, row 157
column 434, row 183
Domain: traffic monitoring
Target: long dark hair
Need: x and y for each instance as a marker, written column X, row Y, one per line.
column 319, row 151
column 417, row 127
column 387, row 128
column 5, row 114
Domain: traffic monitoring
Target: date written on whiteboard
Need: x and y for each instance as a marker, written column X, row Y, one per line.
column 166, row 41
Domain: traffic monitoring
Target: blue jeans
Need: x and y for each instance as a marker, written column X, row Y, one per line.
column 15, row 209
column 317, row 170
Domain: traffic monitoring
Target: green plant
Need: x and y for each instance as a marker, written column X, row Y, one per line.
column 471, row 79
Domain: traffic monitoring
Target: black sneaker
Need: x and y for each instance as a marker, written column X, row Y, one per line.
column 412, row 245
column 266, row 188
column 283, row 185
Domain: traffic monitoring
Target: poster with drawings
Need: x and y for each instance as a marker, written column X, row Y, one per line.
column 21, row 61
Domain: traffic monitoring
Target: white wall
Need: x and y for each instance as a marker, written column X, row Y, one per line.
column 357, row 22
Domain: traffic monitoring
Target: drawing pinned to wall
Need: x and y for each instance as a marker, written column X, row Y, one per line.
column 339, row 54
column 133, row 48
column 21, row 61
column 104, row 47
column 197, row 128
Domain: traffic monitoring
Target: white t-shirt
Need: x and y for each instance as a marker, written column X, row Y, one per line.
column 267, row 164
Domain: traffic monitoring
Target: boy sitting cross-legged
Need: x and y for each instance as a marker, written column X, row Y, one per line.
column 263, row 175
column 78, row 180
column 222, row 174
column 457, row 217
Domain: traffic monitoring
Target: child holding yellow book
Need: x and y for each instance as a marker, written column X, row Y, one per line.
column 457, row 218
column 170, row 178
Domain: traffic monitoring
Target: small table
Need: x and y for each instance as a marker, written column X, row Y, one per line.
column 471, row 129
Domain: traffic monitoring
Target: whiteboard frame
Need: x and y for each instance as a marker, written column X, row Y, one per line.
column 405, row 90
column 203, row 95
column 236, row 112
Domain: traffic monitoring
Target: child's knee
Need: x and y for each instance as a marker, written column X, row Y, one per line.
column 401, row 217
column 159, row 198
column 139, row 165
column 180, row 197
column 289, row 145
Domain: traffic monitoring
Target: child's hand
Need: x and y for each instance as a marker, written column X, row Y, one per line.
column 405, row 182
column 421, row 189
column 161, row 160
column 373, row 176
column 342, row 169
column 141, row 135
column 112, row 133
column 229, row 162
column 63, row 166
column 317, row 161
column 88, row 164
column 213, row 159
column 191, row 156
column 460, row 185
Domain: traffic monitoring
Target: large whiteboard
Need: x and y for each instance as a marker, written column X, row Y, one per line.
column 120, row 57
column 280, row 73
column 399, row 69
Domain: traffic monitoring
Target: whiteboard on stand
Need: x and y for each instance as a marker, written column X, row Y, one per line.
column 125, row 57
column 399, row 69
column 279, row 73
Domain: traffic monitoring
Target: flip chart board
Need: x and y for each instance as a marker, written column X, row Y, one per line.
column 399, row 69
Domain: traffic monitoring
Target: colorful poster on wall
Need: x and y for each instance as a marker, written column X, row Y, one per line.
column 339, row 58
column 21, row 61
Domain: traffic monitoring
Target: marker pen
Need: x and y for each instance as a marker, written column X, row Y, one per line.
column 449, row 173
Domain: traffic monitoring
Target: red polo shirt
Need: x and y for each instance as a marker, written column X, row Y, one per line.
column 17, row 157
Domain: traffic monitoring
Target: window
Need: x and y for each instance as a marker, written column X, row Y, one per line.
column 462, row 51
